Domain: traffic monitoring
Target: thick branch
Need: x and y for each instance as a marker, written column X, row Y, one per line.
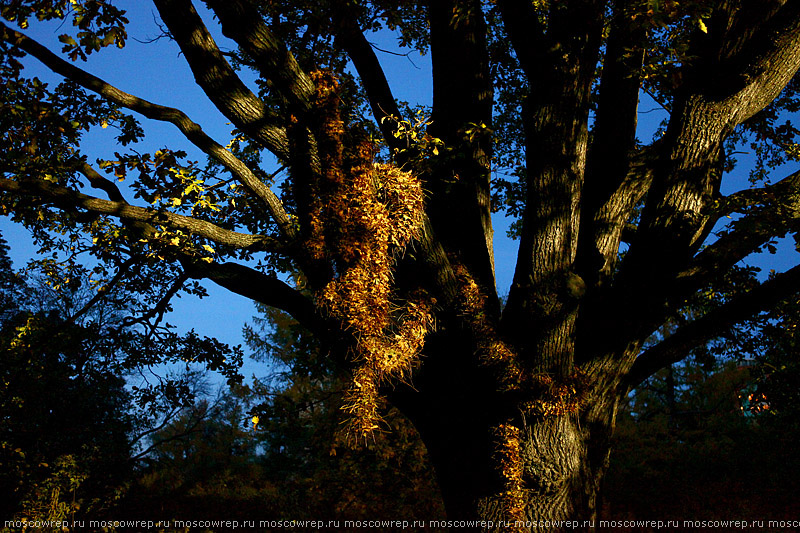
column 707, row 109
column 556, row 118
column 714, row 323
column 190, row 129
column 262, row 288
column 100, row 182
column 752, row 79
column 733, row 24
column 438, row 264
column 243, row 23
column 69, row 199
column 217, row 78
column 617, row 116
column 381, row 100
column 525, row 31
column 610, row 220
column 779, row 214
column 460, row 209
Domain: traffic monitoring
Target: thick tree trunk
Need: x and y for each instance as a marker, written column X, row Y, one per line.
column 562, row 466
column 562, row 458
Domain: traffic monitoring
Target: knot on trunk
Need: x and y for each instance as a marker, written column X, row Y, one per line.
column 554, row 396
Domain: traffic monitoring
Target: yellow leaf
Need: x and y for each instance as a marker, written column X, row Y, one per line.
column 702, row 26
column 104, row 124
column 176, row 202
column 208, row 249
column 175, row 241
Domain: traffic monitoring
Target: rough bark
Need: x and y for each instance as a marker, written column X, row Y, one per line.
column 563, row 458
column 546, row 288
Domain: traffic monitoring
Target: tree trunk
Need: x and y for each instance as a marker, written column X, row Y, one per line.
column 561, row 458
column 562, row 462
column 562, row 465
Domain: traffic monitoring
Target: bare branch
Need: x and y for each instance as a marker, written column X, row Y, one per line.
column 160, row 308
column 192, row 427
column 121, row 272
column 167, row 418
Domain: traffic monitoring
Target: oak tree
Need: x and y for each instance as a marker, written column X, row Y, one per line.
column 388, row 215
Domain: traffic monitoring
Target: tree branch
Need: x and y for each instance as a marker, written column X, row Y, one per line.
column 243, row 23
column 217, row 78
column 733, row 24
column 98, row 181
column 610, row 220
column 69, row 199
column 616, row 118
column 460, row 210
column 190, row 129
column 707, row 109
column 262, row 288
column 381, row 100
column 160, row 308
column 121, row 272
column 778, row 213
column 556, row 127
column 191, row 428
column 751, row 79
column 677, row 346
column 525, row 31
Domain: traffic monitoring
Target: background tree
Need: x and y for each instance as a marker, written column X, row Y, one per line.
column 684, row 447
column 66, row 425
column 318, row 472
column 292, row 464
column 388, row 217
column 699, row 438
column 74, row 414
column 202, row 465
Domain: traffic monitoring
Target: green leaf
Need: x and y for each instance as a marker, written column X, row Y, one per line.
column 67, row 39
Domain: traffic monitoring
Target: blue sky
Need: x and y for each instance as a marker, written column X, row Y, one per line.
column 155, row 71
